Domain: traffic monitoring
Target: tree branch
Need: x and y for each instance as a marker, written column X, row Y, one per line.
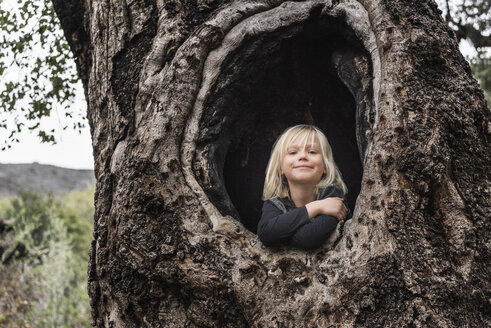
column 467, row 31
column 71, row 16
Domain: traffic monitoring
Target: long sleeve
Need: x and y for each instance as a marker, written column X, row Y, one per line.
column 276, row 227
column 319, row 228
column 294, row 227
column 315, row 233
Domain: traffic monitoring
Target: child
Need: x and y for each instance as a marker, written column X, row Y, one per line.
column 303, row 191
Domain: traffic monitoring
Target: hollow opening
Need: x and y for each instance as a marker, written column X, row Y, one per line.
column 306, row 73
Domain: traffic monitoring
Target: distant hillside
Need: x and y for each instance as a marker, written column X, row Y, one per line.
column 15, row 178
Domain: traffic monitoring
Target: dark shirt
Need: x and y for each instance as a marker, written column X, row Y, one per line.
column 294, row 227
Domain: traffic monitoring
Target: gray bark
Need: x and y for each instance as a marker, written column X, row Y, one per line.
column 169, row 94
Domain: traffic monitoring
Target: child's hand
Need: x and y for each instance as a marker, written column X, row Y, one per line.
column 333, row 206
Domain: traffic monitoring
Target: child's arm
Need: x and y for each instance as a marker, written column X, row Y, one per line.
column 320, row 227
column 314, row 234
column 276, row 227
column 333, row 206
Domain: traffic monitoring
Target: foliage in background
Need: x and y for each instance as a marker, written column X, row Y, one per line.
column 471, row 21
column 37, row 71
column 44, row 282
column 481, row 69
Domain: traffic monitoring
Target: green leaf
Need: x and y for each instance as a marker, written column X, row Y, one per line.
column 32, row 45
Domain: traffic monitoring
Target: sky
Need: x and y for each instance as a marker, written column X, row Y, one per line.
column 73, row 149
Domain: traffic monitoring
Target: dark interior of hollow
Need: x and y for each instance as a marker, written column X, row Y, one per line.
column 273, row 82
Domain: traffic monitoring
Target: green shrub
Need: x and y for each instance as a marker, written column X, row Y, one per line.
column 46, row 285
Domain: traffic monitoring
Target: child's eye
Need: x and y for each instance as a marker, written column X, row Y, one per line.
column 312, row 152
column 292, row 152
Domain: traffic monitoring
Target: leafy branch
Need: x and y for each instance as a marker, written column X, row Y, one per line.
column 37, row 71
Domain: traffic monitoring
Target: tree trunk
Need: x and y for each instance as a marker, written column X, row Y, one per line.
column 184, row 101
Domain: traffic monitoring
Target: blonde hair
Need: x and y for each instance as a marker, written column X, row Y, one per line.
column 274, row 184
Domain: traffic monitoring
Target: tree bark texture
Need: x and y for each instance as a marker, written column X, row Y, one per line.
column 175, row 88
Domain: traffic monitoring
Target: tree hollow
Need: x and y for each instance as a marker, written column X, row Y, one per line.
column 305, row 73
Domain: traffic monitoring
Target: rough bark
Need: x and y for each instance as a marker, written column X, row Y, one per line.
column 176, row 88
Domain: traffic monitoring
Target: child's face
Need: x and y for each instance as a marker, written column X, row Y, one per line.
column 303, row 165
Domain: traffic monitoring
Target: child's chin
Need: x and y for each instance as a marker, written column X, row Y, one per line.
column 306, row 180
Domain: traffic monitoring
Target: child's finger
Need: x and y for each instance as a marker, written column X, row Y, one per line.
column 344, row 211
